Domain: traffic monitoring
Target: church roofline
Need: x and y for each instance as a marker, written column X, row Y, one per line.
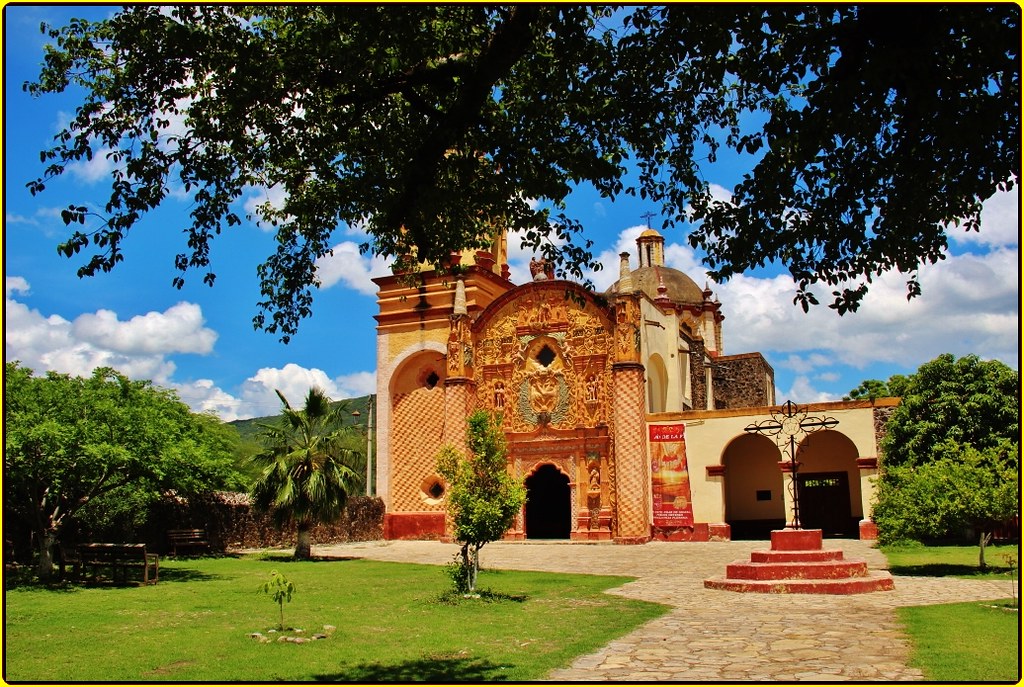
column 562, row 285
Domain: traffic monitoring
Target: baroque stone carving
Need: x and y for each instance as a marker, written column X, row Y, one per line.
column 567, row 389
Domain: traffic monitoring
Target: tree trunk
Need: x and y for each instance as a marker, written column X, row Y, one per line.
column 474, row 569
column 983, row 540
column 302, row 543
column 44, row 567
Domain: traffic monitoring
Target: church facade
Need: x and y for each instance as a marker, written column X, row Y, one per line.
column 622, row 412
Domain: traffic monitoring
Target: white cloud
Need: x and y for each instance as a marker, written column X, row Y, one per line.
column 258, row 397
column 969, row 304
column 179, row 329
column 1000, row 223
column 47, row 343
column 274, row 196
column 138, row 348
column 203, row 396
column 954, row 314
column 94, row 170
column 802, row 391
column 803, row 365
column 10, row 218
column 346, row 265
column 15, row 285
column 609, row 258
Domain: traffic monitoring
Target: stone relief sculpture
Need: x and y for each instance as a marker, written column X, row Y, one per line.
column 563, row 390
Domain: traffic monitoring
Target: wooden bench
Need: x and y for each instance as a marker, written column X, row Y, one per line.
column 187, row 539
column 119, row 558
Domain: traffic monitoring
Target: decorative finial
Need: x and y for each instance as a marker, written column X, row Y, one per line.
column 460, row 298
column 625, row 278
column 662, row 289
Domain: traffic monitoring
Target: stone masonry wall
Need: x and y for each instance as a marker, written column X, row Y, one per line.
column 740, row 381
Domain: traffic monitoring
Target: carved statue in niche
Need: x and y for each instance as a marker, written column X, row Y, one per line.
column 627, row 333
column 594, row 493
column 460, row 353
column 499, row 396
column 592, row 388
column 454, row 353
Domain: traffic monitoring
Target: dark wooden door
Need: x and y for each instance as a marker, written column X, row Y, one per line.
column 825, row 503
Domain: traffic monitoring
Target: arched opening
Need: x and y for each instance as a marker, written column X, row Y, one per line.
column 547, row 513
column 657, row 384
column 829, row 484
column 754, row 502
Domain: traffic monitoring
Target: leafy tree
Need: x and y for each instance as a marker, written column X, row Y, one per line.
column 869, row 389
column 977, row 490
column 869, row 129
column 950, row 404
column 304, row 479
column 950, row 455
column 70, row 441
column 125, row 510
column 482, row 497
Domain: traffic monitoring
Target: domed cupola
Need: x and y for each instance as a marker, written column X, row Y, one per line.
column 662, row 284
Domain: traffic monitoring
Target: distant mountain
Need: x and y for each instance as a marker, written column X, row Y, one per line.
column 248, row 429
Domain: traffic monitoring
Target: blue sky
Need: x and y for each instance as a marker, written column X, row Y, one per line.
column 200, row 341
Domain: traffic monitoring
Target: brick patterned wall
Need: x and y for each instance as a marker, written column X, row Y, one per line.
column 460, row 402
column 417, row 434
column 632, row 481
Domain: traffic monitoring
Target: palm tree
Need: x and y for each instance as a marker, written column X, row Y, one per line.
column 304, row 477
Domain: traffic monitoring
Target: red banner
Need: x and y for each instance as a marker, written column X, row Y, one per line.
column 670, row 479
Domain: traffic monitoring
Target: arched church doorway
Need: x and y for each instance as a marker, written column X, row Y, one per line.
column 547, row 514
column 754, row 502
column 829, row 484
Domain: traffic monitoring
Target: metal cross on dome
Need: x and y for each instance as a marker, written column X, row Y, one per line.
column 786, row 424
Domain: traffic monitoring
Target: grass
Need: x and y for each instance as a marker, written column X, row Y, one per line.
column 950, row 561
column 965, row 642
column 392, row 625
column 962, row 642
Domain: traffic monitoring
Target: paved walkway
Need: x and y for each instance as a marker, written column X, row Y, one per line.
column 711, row 635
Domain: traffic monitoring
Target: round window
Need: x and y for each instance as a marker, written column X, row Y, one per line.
column 432, row 490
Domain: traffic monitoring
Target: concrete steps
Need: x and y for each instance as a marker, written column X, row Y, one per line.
column 796, row 564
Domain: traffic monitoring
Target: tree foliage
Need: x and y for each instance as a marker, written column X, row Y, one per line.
column 869, row 129
column 950, row 404
column 875, row 388
column 482, row 497
column 305, row 477
column 72, row 442
column 950, row 455
column 974, row 491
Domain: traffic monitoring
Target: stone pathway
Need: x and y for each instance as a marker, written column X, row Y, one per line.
column 720, row 636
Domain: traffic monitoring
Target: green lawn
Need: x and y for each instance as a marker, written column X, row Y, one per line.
column 965, row 642
column 962, row 642
column 950, row 561
column 392, row 625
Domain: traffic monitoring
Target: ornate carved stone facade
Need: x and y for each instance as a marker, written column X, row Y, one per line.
column 580, row 379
